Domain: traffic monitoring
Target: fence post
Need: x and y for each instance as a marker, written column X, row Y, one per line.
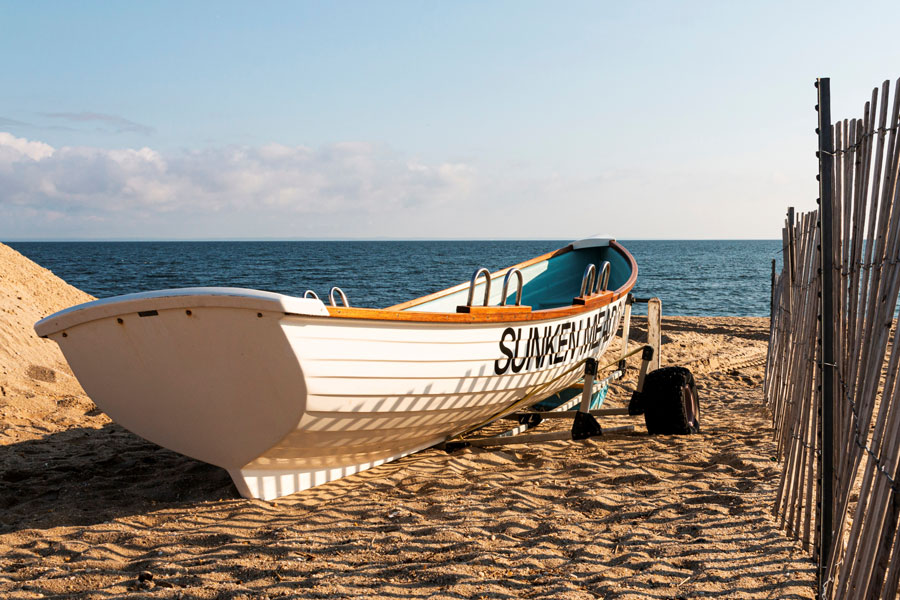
column 791, row 251
column 772, row 292
column 826, row 397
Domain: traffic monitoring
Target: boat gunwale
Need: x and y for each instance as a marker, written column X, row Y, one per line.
column 398, row 312
column 271, row 302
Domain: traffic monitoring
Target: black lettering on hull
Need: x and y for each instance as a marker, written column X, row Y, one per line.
column 525, row 349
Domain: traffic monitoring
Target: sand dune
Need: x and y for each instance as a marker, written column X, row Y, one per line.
column 88, row 510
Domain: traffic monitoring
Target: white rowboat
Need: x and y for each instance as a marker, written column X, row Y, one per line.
column 287, row 393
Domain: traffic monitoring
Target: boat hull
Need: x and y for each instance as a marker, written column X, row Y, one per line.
column 287, row 401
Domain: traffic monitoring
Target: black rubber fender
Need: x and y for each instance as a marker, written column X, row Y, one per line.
column 670, row 402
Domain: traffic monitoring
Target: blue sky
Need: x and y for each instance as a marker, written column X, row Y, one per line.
column 422, row 119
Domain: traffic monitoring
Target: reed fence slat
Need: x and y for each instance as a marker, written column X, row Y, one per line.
column 863, row 558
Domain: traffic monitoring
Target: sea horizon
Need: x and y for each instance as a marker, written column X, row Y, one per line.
column 692, row 277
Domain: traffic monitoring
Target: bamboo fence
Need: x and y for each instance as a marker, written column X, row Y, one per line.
column 862, row 559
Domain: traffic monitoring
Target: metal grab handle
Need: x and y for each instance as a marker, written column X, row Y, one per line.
column 603, row 280
column 487, row 286
column 587, row 280
column 342, row 295
column 310, row 294
column 509, row 274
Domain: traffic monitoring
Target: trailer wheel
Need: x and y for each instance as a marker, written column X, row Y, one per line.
column 671, row 403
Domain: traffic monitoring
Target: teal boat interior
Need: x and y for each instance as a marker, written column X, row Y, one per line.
column 550, row 283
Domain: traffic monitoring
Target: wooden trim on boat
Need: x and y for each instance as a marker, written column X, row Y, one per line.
column 465, row 285
column 380, row 314
column 489, row 310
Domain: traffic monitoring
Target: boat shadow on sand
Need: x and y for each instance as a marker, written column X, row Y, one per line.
column 84, row 476
column 87, row 476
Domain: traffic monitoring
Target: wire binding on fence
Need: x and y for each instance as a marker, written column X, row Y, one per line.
column 858, row 437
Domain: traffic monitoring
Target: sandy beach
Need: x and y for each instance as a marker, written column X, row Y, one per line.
column 88, row 510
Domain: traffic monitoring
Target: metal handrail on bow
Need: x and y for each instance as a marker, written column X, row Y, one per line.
column 487, row 286
column 506, row 279
column 587, row 280
column 603, row 279
column 341, row 294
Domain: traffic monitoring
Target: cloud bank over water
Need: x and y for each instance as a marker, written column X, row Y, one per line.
column 111, row 193
column 365, row 190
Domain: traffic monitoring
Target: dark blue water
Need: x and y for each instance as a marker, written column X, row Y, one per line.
column 691, row 277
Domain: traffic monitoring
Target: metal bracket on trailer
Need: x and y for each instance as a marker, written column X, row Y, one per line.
column 584, row 425
column 529, row 419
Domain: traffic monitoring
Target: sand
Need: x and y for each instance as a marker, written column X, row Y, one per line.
column 88, row 510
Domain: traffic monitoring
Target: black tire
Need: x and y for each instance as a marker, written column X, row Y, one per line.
column 670, row 401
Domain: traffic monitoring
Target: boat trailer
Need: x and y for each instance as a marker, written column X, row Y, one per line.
column 584, row 420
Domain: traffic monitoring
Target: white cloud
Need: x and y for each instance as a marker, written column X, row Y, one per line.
column 272, row 181
column 14, row 148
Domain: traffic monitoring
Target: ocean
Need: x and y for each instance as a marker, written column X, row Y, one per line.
column 701, row 278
